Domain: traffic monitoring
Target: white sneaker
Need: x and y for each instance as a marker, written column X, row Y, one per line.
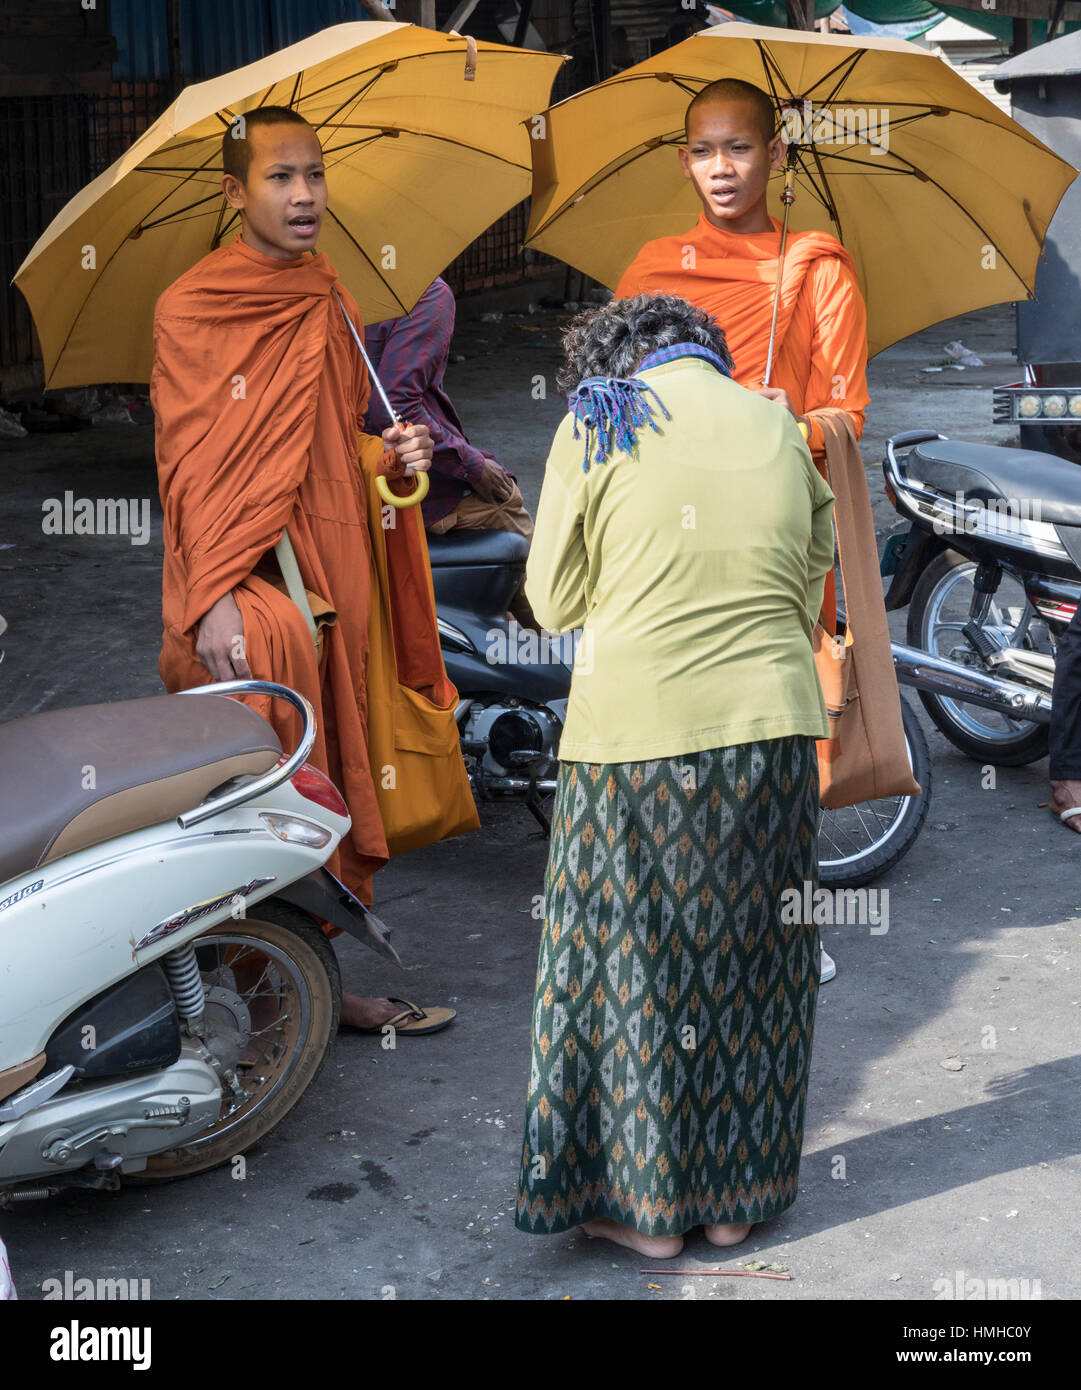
column 829, row 968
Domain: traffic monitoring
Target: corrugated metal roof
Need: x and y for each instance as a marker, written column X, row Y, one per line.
column 1059, row 58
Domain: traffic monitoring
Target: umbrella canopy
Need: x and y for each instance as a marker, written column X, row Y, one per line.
column 424, row 145
column 941, row 199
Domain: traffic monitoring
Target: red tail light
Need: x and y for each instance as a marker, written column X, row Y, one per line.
column 316, row 786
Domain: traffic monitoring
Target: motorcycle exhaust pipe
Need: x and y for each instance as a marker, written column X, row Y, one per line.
column 938, row 676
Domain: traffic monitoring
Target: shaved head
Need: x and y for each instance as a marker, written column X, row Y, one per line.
column 236, row 148
column 733, row 89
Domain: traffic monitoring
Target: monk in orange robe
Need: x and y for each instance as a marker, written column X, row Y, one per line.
column 259, row 396
column 727, row 265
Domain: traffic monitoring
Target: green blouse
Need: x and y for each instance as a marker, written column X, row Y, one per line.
column 695, row 566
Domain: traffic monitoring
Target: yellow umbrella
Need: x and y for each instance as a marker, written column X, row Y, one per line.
column 941, row 199
column 424, row 143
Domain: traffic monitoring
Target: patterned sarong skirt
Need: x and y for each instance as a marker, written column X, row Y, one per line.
column 675, row 998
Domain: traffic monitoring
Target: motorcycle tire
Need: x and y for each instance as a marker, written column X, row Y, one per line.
column 304, row 951
column 902, row 819
column 1028, row 744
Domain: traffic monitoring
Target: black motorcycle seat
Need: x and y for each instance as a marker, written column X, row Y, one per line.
column 1018, row 477
column 477, row 548
column 71, row 778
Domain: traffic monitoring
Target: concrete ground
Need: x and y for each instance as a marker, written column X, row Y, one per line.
column 942, row 1134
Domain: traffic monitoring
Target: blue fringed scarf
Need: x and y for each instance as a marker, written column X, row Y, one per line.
column 613, row 408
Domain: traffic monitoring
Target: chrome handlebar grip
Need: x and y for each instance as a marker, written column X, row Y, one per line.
column 277, row 775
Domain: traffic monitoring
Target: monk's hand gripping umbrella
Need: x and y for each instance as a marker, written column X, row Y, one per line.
column 287, row 560
column 381, row 486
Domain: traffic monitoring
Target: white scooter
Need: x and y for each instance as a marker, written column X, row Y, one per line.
column 166, row 991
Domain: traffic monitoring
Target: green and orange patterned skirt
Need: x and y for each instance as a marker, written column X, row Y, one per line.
column 674, row 1010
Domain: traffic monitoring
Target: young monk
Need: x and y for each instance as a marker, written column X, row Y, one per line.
column 727, row 265
column 259, row 393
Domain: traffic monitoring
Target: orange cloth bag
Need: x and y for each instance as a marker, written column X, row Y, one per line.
column 413, row 743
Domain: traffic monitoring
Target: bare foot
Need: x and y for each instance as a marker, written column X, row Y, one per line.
column 366, row 1013
column 1063, row 796
column 656, row 1247
column 728, row 1235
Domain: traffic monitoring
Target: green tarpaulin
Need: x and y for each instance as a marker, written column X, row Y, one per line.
column 894, row 12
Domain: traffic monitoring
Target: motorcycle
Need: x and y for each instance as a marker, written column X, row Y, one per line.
column 990, row 570
column 514, row 686
column 167, row 992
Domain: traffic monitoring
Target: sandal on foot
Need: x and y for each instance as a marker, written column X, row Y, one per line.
column 1064, row 816
column 411, row 1020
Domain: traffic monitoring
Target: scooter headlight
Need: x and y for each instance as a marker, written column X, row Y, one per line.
column 1054, row 407
column 294, row 830
column 1028, row 407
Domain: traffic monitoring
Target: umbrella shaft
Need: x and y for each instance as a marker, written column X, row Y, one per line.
column 368, row 363
column 787, row 202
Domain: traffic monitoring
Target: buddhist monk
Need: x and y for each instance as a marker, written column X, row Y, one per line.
column 259, row 394
column 727, row 265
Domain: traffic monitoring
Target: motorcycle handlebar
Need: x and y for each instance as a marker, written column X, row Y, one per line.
column 904, row 441
column 277, row 775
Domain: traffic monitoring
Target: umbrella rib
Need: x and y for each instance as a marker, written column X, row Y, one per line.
column 222, row 227
column 365, row 255
column 848, row 65
column 769, row 67
column 171, row 216
column 821, row 194
column 831, row 206
column 352, row 99
column 429, row 135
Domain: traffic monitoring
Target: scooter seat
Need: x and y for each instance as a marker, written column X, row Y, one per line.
column 477, row 548
column 71, row 778
column 1041, row 487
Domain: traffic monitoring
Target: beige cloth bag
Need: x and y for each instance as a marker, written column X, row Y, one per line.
column 865, row 755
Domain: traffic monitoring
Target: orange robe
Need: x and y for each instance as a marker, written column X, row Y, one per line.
column 820, row 347
column 820, row 344
column 259, row 396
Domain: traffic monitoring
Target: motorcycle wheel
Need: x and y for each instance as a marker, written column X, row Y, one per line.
column 294, row 970
column 858, row 844
column 936, row 615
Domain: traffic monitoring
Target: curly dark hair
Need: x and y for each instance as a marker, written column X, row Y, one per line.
column 612, row 339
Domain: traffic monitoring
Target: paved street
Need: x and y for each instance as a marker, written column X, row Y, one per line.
column 395, row 1175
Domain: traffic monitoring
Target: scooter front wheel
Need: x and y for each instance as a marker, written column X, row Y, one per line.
column 273, row 1000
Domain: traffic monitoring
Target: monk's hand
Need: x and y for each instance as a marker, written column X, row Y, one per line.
column 493, row 483
column 220, row 645
column 413, row 445
column 778, row 394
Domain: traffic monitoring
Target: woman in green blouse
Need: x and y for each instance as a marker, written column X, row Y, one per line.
column 684, row 527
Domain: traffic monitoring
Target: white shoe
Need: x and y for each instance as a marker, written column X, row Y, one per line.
column 829, row 968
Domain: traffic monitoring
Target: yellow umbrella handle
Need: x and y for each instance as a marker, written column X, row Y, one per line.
column 413, row 499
